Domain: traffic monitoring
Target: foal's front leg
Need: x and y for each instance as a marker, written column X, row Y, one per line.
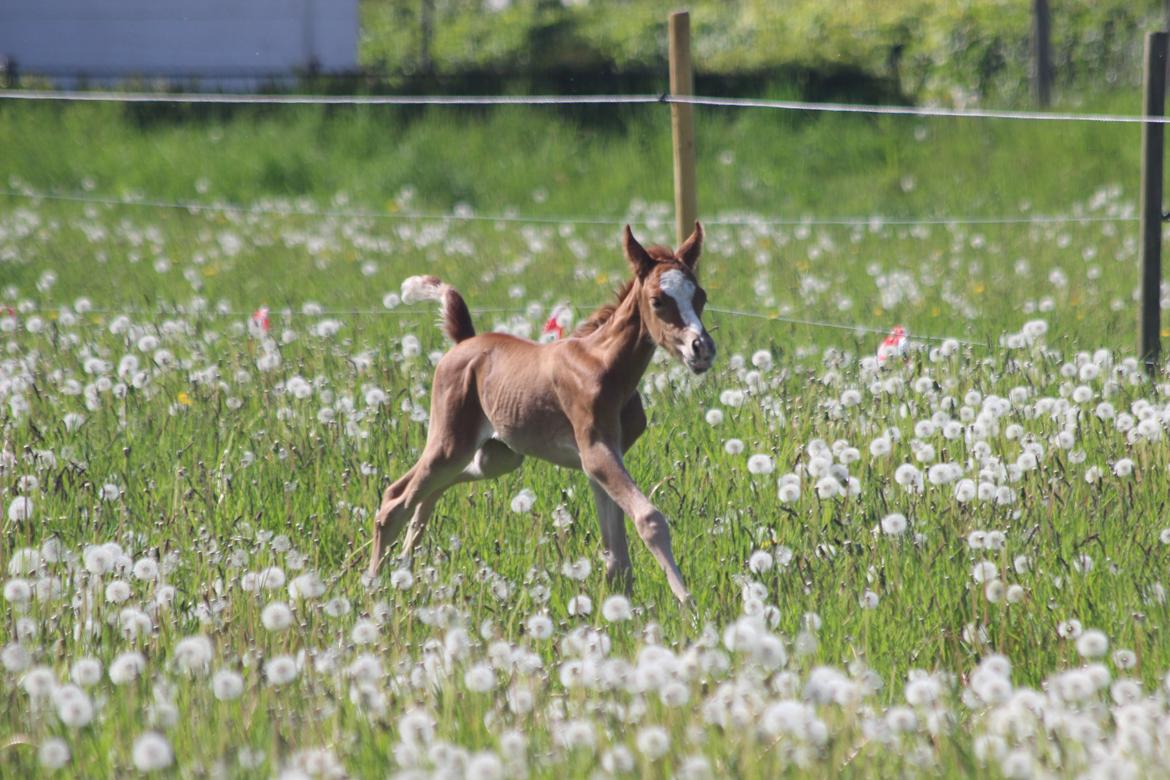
column 610, row 517
column 602, row 461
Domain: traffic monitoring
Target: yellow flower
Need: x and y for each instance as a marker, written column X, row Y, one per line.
column 183, row 398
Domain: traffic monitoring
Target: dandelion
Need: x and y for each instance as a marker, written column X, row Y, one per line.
column 714, row 417
column 1123, row 467
column 576, row 570
column 227, row 685
column 17, row 591
column 74, row 708
column 523, row 501
column 617, row 760
column 733, row 446
column 760, row 561
column 653, row 742
column 580, row 605
column 984, row 571
column 193, row 654
column 276, row 617
column 20, row 510
column 540, row 626
column 152, row 752
column 869, row 600
column 24, row 561
column 53, row 753
column 401, row 579
column 479, row 678
column 894, row 524
column 86, row 672
column 1092, row 644
column 364, row 632
column 306, row 586
column 1124, row 659
column 280, row 670
column 126, row 668
column 117, row 592
column 761, row 464
column 145, row 569
column 616, row 609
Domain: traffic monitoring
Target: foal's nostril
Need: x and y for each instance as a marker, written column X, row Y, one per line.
column 696, row 346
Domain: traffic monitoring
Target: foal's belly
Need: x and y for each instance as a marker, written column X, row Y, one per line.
column 548, row 438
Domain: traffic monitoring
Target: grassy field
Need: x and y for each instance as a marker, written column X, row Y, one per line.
column 968, row 579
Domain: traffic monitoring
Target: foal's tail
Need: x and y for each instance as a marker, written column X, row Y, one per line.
column 454, row 317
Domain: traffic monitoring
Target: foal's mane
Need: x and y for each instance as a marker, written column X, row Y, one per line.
column 605, row 313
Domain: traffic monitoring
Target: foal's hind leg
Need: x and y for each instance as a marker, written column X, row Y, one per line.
column 456, row 432
column 493, row 459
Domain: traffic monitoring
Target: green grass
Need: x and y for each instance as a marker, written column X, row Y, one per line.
column 205, row 464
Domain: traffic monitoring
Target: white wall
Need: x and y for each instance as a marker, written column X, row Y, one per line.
column 204, row 39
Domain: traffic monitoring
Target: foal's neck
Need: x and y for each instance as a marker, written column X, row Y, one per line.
column 623, row 344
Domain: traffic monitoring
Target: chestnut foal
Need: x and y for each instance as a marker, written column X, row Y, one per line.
column 497, row 398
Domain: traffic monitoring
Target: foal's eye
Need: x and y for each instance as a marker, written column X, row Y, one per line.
column 656, row 303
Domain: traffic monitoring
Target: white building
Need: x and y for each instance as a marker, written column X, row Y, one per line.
column 222, row 43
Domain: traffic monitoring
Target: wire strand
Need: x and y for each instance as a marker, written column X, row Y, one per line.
column 874, row 220
column 100, row 96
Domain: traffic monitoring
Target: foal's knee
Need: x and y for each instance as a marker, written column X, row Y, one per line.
column 652, row 526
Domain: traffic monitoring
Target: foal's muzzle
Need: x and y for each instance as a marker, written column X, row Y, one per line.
column 699, row 353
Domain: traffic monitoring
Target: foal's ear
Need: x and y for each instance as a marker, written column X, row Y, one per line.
column 639, row 258
column 688, row 253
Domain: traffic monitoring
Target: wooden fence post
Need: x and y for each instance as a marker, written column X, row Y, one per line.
column 1153, row 105
column 682, row 125
column 1041, row 53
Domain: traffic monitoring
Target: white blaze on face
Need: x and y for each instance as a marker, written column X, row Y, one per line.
column 682, row 290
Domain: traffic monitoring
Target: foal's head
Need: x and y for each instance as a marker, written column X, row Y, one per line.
column 670, row 299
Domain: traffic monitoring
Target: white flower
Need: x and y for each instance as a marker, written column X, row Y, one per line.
column 714, row 417
column 15, row 657
column 276, row 616
column 984, row 571
column 523, row 501
column 227, row 685
column 53, row 753
column 146, row 569
column 580, row 605
column 280, row 670
column 17, row 591
column 540, row 626
column 733, row 446
column 653, row 742
column 760, row 562
column 869, row 600
column 152, row 752
column 761, row 464
column 401, row 579
column 1092, row 644
column 306, row 586
column 86, row 672
column 577, row 570
column 74, row 708
column 364, row 632
column 24, row 561
column 117, row 592
column 479, row 678
column 616, row 608
column 20, row 510
column 126, row 668
column 617, row 760
column 193, row 654
column 1123, row 467
column 894, row 524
